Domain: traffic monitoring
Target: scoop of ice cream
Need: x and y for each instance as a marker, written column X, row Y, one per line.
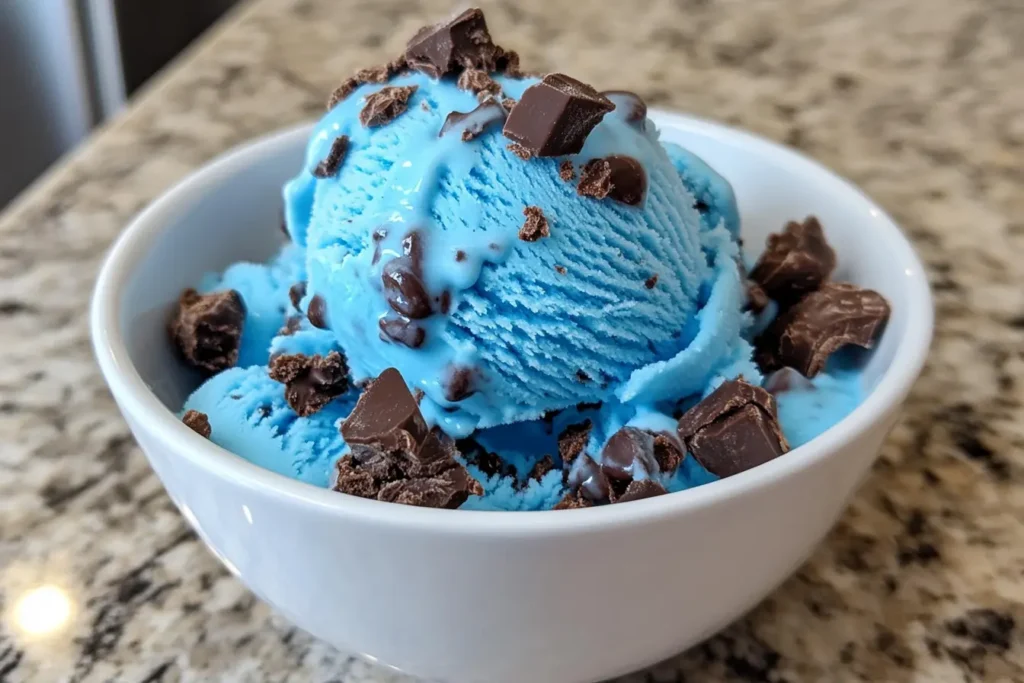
column 421, row 249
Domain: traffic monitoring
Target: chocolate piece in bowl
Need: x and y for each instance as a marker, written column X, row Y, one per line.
column 616, row 176
column 311, row 382
column 395, row 457
column 733, row 429
column 554, row 117
column 795, row 262
column 824, row 321
column 207, row 328
column 460, row 42
column 385, row 105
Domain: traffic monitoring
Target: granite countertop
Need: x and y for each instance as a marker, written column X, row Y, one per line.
column 918, row 101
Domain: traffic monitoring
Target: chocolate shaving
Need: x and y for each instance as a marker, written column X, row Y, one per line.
column 473, row 123
column 796, row 261
column 478, row 82
column 541, row 468
column 385, row 105
column 311, row 382
column 733, row 429
column 536, row 225
column 377, row 74
column 617, row 176
column 554, row 117
column 566, row 171
column 572, row 441
column 207, row 328
column 520, row 151
column 328, row 168
column 821, row 323
column 198, row 422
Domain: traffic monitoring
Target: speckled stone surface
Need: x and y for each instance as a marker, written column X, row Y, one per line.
column 918, row 101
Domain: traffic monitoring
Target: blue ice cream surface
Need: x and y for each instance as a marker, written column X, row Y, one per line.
column 549, row 349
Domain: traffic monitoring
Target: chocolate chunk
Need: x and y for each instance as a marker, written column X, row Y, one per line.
column 403, row 283
column 572, row 501
column 541, row 467
column 385, row 105
column 554, row 117
column 757, row 299
column 821, row 323
column 198, row 422
column 560, row 270
column 449, row 490
column 667, row 452
column 590, row 481
column 536, row 225
column 487, row 462
column 459, row 383
column 317, row 312
column 207, row 328
column 520, row 151
column 572, row 441
column 786, row 379
column 311, row 382
column 478, row 82
column 473, row 123
column 386, row 415
column 629, row 105
column 629, row 454
column 377, row 74
column 355, row 480
column 463, row 41
column 617, row 176
column 796, row 261
column 296, row 292
column 507, row 103
column 566, row 171
column 640, row 489
column 733, row 429
column 650, row 282
column 328, row 168
column 403, row 331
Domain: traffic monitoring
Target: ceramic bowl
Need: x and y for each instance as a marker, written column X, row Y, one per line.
column 500, row 597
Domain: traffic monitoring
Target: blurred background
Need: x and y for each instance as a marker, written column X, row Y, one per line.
column 67, row 65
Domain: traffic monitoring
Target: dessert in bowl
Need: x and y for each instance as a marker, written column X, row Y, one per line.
column 524, row 299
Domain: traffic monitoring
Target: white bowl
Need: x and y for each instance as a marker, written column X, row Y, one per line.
column 500, row 597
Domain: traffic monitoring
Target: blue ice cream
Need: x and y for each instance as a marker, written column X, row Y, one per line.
column 414, row 248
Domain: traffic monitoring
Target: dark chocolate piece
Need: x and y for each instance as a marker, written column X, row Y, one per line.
column 796, row 261
column 448, row 490
column 317, row 312
column 757, row 299
column 386, row 415
column 786, row 379
column 478, row 82
column 560, row 270
column 459, row 384
column 572, row 441
column 473, row 123
column 507, row 103
column 328, row 168
column 535, row 226
column 403, row 283
column 629, row 105
column 821, row 323
column 377, row 74
column 311, row 382
column 554, row 117
column 520, row 151
column 207, row 328
column 403, row 331
column 650, row 282
column 640, row 489
column 629, row 454
column 295, row 294
column 588, row 479
column 667, row 452
column 198, row 422
column 617, row 176
column 573, row 501
column 462, row 41
column 566, row 171
column 385, row 105
column 733, row 429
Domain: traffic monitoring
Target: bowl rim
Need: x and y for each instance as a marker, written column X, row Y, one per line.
column 136, row 399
